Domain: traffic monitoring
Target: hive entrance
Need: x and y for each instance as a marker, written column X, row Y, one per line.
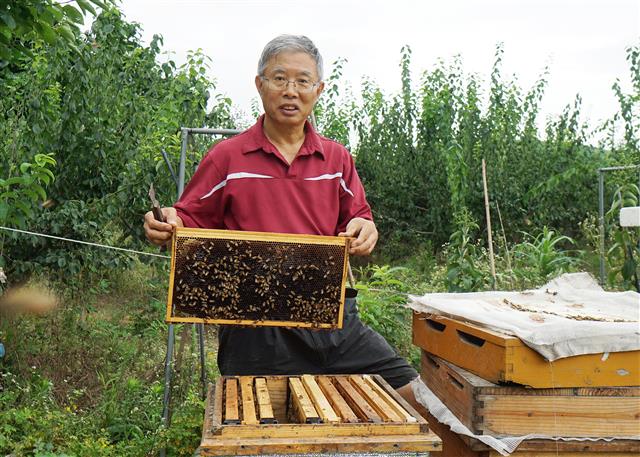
column 252, row 278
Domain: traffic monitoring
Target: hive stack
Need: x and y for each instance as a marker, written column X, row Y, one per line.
column 495, row 385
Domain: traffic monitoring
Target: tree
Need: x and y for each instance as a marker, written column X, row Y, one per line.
column 23, row 22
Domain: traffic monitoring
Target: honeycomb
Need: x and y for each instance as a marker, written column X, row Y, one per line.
column 281, row 280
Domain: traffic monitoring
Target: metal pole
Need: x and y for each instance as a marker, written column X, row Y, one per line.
column 168, row 163
column 183, row 160
column 625, row 167
column 602, row 235
column 167, row 383
column 225, row 132
column 601, row 222
column 203, row 371
column 166, row 412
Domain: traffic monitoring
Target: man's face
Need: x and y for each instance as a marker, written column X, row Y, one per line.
column 289, row 106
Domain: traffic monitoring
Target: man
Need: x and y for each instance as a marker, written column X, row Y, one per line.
column 281, row 176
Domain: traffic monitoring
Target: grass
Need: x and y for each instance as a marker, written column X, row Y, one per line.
column 87, row 379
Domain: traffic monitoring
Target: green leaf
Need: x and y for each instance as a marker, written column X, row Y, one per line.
column 7, row 19
column 14, row 180
column 85, row 6
column 66, row 32
column 48, row 33
column 73, row 14
column 40, row 190
column 6, row 33
column 22, row 206
column 4, row 210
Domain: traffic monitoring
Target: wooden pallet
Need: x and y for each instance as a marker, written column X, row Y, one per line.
column 252, row 415
column 501, row 358
column 490, row 409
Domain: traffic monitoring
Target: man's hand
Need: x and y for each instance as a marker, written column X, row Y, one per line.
column 366, row 233
column 159, row 233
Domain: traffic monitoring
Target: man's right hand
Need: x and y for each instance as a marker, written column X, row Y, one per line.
column 159, row 233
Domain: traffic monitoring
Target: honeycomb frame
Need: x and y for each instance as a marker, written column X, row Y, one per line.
column 240, row 278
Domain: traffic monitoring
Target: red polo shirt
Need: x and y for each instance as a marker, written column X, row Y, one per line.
column 244, row 183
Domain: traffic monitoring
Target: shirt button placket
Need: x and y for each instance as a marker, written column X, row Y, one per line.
column 291, row 170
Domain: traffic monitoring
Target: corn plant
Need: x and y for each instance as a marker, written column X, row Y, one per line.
column 543, row 253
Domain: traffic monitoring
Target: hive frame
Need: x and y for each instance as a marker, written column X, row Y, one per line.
column 259, row 236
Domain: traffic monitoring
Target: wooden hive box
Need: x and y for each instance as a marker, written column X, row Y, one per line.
column 501, row 358
column 489, row 409
column 454, row 445
column 257, row 279
column 253, row 415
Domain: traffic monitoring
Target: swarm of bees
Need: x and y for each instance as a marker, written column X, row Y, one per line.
column 258, row 281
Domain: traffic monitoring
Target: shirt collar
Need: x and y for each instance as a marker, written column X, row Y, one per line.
column 258, row 140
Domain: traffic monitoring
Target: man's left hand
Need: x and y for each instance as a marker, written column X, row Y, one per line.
column 365, row 233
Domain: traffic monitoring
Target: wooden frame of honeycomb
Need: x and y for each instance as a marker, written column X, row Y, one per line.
column 257, row 278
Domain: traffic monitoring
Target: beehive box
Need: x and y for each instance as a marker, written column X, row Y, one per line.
column 489, row 409
column 254, row 278
column 454, row 445
column 501, row 358
column 254, row 415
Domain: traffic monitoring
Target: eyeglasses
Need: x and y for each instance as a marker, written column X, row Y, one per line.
column 281, row 83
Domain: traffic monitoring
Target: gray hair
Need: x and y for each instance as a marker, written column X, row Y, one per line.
column 289, row 43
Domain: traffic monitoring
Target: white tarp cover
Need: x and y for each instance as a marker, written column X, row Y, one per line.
column 571, row 315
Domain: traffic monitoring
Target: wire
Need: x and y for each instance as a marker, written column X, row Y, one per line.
column 84, row 242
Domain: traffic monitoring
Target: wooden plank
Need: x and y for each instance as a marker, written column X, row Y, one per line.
column 502, row 358
column 215, row 401
column 560, row 416
column 321, row 403
column 213, row 408
column 486, row 408
column 248, row 402
column 422, row 443
column 252, row 323
column 338, row 403
column 454, row 388
column 292, row 430
column 422, row 423
column 231, row 414
column 278, row 388
column 301, row 402
column 386, row 413
column 265, row 410
column 188, row 232
column 358, row 404
column 402, row 413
